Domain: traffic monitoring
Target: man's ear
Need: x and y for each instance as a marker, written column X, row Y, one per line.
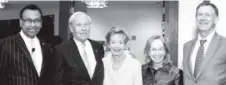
column 216, row 20
column 71, row 28
column 21, row 22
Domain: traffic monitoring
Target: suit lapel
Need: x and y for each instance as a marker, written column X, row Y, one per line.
column 214, row 45
column 23, row 48
column 97, row 57
column 73, row 50
column 189, row 53
column 45, row 56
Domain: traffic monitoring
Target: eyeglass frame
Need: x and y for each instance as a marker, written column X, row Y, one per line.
column 35, row 21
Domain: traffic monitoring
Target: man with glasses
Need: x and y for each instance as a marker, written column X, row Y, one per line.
column 24, row 57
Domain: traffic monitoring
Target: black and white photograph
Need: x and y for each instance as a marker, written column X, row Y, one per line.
column 112, row 42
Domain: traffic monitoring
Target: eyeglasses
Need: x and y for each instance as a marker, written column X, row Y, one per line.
column 35, row 21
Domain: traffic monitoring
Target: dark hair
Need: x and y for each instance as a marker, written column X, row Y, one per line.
column 167, row 63
column 208, row 4
column 30, row 7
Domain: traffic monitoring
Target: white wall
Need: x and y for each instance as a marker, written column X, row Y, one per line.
column 12, row 10
column 140, row 19
column 187, row 26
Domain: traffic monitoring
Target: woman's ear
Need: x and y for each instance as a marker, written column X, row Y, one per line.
column 108, row 46
column 127, row 46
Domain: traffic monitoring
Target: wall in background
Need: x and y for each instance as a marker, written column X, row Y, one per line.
column 12, row 10
column 171, row 29
column 140, row 19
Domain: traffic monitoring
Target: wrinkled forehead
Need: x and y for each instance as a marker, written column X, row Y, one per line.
column 206, row 9
column 81, row 18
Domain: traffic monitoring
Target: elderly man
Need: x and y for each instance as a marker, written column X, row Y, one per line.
column 79, row 61
column 205, row 57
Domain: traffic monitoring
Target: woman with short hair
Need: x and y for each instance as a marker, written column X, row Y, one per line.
column 120, row 68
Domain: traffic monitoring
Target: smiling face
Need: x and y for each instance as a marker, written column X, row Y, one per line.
column 117, row 44
column 31, row 22
column 206, row 18
column 157, row 51
column 80, row 27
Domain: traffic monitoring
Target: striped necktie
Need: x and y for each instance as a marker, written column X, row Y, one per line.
column 199, row 57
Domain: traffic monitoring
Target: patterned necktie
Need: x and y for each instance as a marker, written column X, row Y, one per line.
column 85, row 60
column 32, row 43
column 199, row 57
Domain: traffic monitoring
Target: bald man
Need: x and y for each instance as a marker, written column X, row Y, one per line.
column 78, row 61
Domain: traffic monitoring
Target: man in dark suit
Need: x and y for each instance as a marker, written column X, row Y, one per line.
column 79, row 60
column 23, row 56
column 205, row 57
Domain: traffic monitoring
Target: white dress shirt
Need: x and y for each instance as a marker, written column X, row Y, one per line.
column 197, row 44
column 36, row 54
column 129, row 72
column 89, row 53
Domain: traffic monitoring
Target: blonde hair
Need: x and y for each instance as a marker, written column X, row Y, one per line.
column 117, row 30
column 167, row 63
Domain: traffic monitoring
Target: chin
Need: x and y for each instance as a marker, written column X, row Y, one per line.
column 31, row 35
column 116, row 54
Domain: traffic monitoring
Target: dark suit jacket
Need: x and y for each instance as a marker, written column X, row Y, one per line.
column 16, row 65
column 70, row 69
column 162, row 76
column 213, row 69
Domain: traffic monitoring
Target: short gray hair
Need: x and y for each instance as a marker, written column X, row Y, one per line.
column 71, row 18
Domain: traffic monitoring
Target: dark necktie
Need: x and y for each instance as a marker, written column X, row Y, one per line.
column 199, row 57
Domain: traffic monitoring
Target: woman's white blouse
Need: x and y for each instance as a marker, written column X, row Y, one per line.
column 128, row 74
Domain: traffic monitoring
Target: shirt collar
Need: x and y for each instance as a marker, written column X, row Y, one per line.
column 208, row 38
column 79, row 43
column 27, row 38
column 108, row 56
column 149, row 68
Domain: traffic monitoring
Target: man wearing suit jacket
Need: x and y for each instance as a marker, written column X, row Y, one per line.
column 79, row 60
column 24, row 57
column 205, row 57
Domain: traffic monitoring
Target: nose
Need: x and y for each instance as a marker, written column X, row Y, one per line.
column 117, row 45
column 202, row 18
column 83, row 28
column 33, row 23
column 157, row 52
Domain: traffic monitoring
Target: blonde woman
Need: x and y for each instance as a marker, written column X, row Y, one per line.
column 159, row 69
column 120, row 68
